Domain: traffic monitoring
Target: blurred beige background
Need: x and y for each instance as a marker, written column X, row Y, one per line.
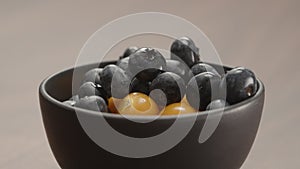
column 38, row 38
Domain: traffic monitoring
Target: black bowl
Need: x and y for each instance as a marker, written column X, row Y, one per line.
column 227, row 148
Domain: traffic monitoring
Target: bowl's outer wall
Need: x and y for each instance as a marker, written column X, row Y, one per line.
column 227, row 148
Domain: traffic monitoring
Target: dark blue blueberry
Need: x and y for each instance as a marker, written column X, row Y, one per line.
column 147, row 75
column 179, row 68
column 123, row 64
column 185, row 49
column 129, row 51
column 91, row 89
column 140, row 86
column 93, row 76
column 172, row 87
column 74, row 98
column 202, row 89
column 70, row 102
column 217, row 104
column 146, row 64
column 95, row 103
column 203, row 67
column 116, row 80
column 240, row 84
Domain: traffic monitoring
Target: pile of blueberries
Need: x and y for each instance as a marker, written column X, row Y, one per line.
column 143, row 82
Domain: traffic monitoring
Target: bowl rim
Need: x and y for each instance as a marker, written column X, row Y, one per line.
column 227, row 110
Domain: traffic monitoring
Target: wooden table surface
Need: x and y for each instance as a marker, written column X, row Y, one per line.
column 38, row 38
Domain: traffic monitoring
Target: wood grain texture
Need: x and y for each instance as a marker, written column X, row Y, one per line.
column 38, row 38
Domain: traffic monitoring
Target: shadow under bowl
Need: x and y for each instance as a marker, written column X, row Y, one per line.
column 73, row 148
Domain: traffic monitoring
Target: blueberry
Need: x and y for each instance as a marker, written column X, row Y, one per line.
column 240, row 84
column 115, row 79
column 95, row 103
column 146, row 64
column 120, row 84
column 185, row 49
column 203, row 67
column 147, row 75
column 70, row 102
column 91, row 89
column 171, row 85
column 123, row 64
column 179, row 68
column 202, row 89
column 74, row 98
column 93, row 76
column 140, row 86
column 217, row 104
column 129, row 51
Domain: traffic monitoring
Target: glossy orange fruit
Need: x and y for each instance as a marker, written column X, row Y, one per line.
column 184, row 100
column 137, row 104
column 112, row 104
column 178, row 108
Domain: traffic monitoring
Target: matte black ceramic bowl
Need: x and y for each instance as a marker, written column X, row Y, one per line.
column 227, row 148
